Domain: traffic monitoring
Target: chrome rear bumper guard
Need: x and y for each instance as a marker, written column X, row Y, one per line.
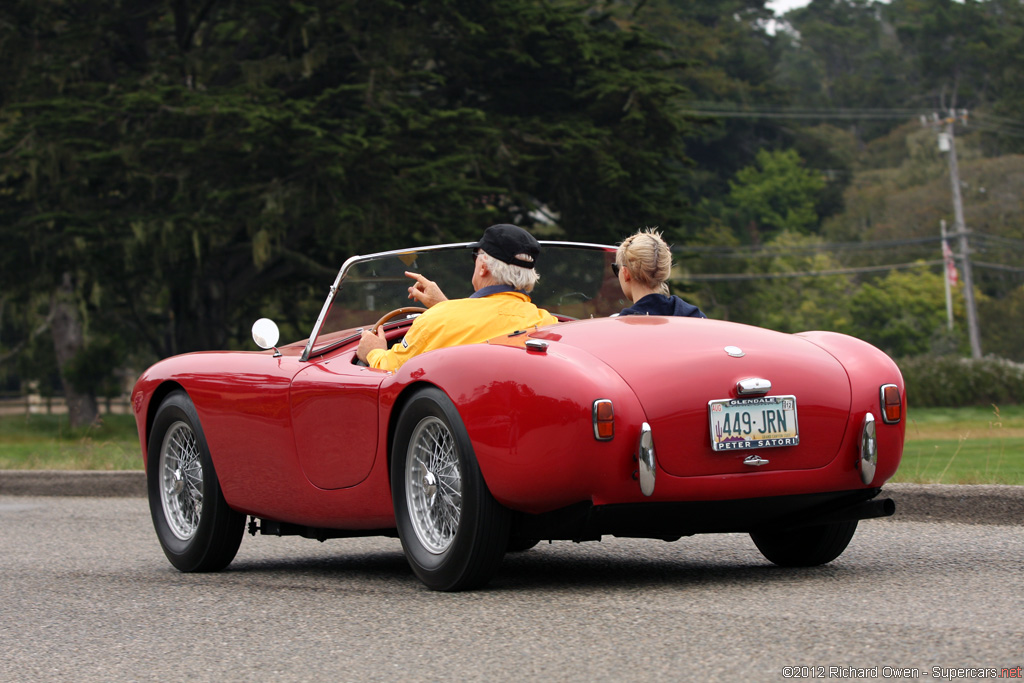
column 647, row 468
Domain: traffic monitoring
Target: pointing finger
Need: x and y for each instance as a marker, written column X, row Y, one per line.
column 417, row 277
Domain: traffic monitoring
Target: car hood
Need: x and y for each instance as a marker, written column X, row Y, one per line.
column 676, row 366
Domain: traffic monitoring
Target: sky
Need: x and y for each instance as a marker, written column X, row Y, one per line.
column 783, row 6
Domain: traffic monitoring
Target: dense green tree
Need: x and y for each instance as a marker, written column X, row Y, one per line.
column 1000, row 117
column 728, row 60
column 876, row 63
column 177, row 168
column 832, row 151
column 1002, row 325
column 844, row 55
column 776, row 194
column 171, row 170
column 779, row 294
column 945, row 39
column 904, row 314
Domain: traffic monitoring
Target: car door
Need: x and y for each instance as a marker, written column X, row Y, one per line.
column 334, row 416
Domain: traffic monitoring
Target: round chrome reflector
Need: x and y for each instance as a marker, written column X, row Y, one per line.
column 868, row 449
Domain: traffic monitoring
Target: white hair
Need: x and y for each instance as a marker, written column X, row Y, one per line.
column 507, row 274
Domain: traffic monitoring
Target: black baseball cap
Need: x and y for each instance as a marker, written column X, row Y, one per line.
column 504, row 241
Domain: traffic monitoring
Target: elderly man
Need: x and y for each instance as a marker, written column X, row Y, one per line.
column 504, row 274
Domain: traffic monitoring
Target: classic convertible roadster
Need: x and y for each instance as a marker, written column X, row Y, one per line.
column 639, row 426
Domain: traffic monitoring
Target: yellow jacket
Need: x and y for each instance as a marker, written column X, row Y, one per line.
column 463, row 321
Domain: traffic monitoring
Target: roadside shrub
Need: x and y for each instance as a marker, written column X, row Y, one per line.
column 951, row 381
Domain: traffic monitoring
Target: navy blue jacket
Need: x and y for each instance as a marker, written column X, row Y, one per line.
column 659, row 304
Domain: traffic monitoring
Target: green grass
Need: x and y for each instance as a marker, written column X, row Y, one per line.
column 964, row 446
column 47, row 442
column 943, row 446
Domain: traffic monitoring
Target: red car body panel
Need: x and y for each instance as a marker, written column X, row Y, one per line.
column 243, row 400
column 309, row 442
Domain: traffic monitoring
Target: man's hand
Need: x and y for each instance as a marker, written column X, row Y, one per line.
column 370, row 341
column 425, row 291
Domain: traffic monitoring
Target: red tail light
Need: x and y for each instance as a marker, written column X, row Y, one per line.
column 604, row 420
column 892, row 404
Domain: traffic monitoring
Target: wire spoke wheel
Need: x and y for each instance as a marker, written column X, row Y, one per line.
column 433, row 483
column 197, row 529
column 453, row 532
column 181, row 481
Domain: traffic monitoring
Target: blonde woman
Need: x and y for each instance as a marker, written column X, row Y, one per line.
column 643, row 264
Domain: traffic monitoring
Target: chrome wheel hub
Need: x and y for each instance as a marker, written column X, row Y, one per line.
column 430, row 488
column 177, row 483
column 433, row 484
column 181, row 481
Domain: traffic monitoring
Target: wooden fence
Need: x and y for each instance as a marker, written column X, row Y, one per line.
column 34, row 404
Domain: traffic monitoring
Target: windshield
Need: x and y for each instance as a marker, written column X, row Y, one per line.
column 576, row 281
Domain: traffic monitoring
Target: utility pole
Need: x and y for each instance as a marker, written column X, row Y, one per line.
column 960, row 230
column 947, row 264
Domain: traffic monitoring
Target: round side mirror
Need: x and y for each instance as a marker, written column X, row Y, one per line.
column 265, row 333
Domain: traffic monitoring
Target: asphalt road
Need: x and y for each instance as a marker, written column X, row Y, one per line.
column 86, row 595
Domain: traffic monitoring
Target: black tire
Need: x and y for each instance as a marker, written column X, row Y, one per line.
column 195, row 526
column 454, row 533
column 805, row 546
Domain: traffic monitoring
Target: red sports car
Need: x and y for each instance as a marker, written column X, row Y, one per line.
column 639, row 426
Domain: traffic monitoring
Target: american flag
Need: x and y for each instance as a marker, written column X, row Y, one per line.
column 951, row 273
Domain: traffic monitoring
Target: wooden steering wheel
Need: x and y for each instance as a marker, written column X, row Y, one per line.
column 408, row 310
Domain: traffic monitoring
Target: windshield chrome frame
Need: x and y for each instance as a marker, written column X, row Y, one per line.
column 353, row 260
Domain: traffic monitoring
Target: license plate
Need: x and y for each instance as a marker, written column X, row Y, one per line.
column 763, row 422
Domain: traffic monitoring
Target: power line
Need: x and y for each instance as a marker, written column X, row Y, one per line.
column 997, row 118
column 748, row 251
column 772, row 251
column 986, row 122
column 729, row 277
column 1009, row 241
column 737, row 277
column 1000, row 121
column 997, row 266
column 788, row 109
column 999, row 130
column 823, row 114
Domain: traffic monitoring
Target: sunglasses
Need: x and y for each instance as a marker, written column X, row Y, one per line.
column 476, row 253
column 615, row 269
